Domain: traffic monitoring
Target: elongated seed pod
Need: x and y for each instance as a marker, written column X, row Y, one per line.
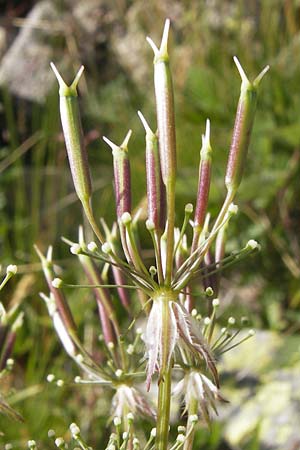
column 156, row 191
column 204, row 179
column 242, row 128
column 166, row 136
column 122, row 177
column 165, row 107
column 72, row 129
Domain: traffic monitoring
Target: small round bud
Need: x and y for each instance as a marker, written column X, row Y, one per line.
column 135, row 441
column 153, row 432
column 60, row 383
column 223, row 330
column 12, row 269
column 77, row 379
column 231, row 321
column 130, row 349
column 117, row 421
column 106, row 248
column 79, row 358
column 110, row 345
column 193, row 418
column 51, row 434
column 233, row 209
column 125, row 435
column 57, row 283
column 126, row 218
column 180, row 438
column 139, row 331
column 188, row 208
column 59, row 442
column 76, row 249
column 252, row 245
column 181, row 429
column 207, row 320
column 8, row 446
column 75, row 430
column 198, row 317
column 216, row 302
column 150, row 225
column 10, row 363
column 251, row 332
column 92, row 246
column 50, row 377
column 119, row 373
column 130, row 417
column 31, row 444
column 152, row 271
column 194, row 312
column 209, row 291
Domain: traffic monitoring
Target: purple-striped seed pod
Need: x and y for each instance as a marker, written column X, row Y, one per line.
column 60, row 301
column 73, row 134
column 165, row 108
column 204, row 179
column 242, row 128
column 122, row 176
column 156, row 191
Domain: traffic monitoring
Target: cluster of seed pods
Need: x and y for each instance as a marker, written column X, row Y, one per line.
column 168, row 282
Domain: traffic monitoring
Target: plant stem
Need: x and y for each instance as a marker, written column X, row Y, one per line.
column 163, row 414
column 190, row 431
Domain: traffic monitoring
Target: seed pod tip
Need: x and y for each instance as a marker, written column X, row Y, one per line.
column 242, row 73
column 260, row 76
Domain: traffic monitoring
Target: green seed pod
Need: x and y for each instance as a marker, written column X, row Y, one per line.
column 165, row 107
column 72, row 128
column 242, row 128
column 166, row 137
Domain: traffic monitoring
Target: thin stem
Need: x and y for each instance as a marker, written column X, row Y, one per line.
column 90, row 216
column 190, row 431
column 189, row 271
column 163, row 413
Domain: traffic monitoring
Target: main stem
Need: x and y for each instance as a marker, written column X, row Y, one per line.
column 164, row 401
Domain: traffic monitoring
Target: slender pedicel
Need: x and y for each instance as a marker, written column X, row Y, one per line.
column 60, row 301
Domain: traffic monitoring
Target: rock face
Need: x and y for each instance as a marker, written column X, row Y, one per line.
column 50, row 33
column 25, row 66
column 267, row 403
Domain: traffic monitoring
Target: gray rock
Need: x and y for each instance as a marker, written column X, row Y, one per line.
column 25, row 66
